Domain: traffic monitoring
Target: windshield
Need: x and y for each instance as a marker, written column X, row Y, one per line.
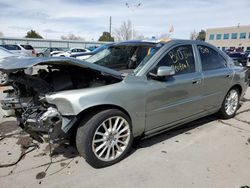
column 150, row 54
column 5, row 53
column 102, row 47
column 124, row 57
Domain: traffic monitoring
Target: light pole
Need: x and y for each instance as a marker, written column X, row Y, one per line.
column 133, row 7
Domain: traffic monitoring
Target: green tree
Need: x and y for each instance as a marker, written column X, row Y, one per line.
column 201, row 35
column 33, row 34
column 106, row 37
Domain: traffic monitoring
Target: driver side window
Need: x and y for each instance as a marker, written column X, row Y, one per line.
column 181, row 58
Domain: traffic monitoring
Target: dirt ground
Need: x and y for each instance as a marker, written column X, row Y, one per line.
column 206, row 153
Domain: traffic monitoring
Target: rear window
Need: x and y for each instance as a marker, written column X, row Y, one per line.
column 11, row 47
column 27, row 47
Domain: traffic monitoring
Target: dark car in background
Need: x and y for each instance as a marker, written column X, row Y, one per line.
column 242, row 59
column 239, row 57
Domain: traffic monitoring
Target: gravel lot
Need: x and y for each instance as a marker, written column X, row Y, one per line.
column 206, row 153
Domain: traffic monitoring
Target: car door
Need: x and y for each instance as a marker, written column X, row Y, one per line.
column 217, row 76
column 174, row 98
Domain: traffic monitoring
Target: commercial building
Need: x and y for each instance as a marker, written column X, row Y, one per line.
column 230, row 37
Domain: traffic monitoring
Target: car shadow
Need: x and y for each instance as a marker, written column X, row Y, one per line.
column 69, row 151
column 64, row 150
column 183, row 129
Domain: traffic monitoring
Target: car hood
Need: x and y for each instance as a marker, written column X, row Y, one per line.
column 11, row 64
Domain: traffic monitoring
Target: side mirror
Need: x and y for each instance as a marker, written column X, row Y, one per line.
column 165, row 71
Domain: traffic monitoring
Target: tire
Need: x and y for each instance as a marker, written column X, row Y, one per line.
column 231, row 101
column 97, row 144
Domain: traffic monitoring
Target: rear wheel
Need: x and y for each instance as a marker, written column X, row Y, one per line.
column 230, row 104
column 105, row 138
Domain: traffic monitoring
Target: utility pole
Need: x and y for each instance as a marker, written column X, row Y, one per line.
column 132, row 8
column 110, row 23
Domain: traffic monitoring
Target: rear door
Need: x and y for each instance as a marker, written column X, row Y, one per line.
column 177, row 97
column 217, row 76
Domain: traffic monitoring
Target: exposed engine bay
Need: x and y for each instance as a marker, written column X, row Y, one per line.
column 26, row 101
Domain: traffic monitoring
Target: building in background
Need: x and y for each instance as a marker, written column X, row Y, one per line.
column 236, row 37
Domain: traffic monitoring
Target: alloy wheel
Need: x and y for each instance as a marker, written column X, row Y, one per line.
column 231, row 102
column 111, row 138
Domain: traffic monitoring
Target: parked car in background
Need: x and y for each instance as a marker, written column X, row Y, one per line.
column 92, row 48
column 85, row 55
column 104, row 109
column 49, row 51
column 72, row 51
column 4, row 53
column 239, row 57
column 247, row 52
column 248, row 67
column 20, row 49
column 242, row 59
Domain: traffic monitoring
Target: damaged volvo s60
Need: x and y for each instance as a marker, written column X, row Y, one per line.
column 104, row 109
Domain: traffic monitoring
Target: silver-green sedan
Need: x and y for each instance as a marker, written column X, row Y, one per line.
column 103, row 109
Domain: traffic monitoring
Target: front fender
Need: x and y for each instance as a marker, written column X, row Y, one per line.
column 71, row 103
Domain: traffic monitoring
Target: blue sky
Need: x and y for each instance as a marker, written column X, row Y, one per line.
column 89, row 19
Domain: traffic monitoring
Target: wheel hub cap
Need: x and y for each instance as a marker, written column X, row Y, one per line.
column 231, row 102
column 111, row 138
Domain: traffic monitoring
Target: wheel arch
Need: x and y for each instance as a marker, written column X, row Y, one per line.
column 98, row 108
column 237, row 86
column 90, row 111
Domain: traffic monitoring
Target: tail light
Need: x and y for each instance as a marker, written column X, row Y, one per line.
column 33, row 52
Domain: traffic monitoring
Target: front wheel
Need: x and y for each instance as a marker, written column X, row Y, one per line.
column 105, row 138
column 230, row 104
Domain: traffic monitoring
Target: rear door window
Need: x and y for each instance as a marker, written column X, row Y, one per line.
column 210, row 59
column 27, row 47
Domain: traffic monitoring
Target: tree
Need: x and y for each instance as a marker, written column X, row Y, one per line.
column 201, row 35
column 71, row 36
column 125, row 31
column 193, row 35
column 33, row 34
column 1, row 34
column 106, row 37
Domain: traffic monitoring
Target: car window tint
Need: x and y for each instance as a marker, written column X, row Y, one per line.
column 11, row 47
column 27, row 47
column 210, row 59
column 181, row 58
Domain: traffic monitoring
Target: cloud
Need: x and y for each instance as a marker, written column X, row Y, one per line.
column 90, row 18
column 50, row 31
column 20, row 28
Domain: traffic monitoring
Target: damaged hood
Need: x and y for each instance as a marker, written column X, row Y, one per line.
column 11, row 64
